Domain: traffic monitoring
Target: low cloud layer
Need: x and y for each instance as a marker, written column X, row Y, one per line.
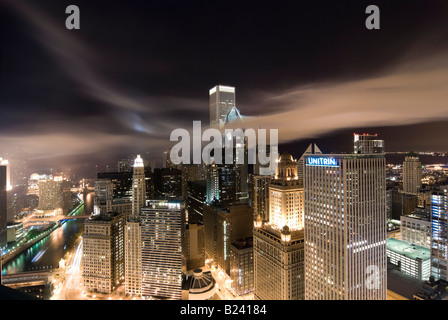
column 410, row 94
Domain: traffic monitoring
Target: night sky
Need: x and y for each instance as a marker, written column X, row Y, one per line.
column 136, row 70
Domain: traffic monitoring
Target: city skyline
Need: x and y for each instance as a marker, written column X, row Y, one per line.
column 203, row 150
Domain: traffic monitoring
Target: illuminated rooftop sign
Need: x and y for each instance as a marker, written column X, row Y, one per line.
column 320, row 161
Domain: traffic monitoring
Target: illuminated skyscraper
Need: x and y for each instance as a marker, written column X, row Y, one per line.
column 54, row 194
column 168, row 182
column 122, row 183
column 133, row 241
column 412, row 175
column 242, row 266
column 197, row 192
column 133, row 257
column 233, row 222
column 439, row 235
column 368, row 143
column 223, row 225
column 210, row 219
column 138, row 186
column 286, row 196
column 312, row 149
column 279, row 243
column 278, row 263
column 3, row 205
column 345, row 227
column 163, row 249
column 104, row 190
column 228, row 182
column 260, row 196
column 190, row 172
column 222, row 100
column 222, row 183
column 103, row 252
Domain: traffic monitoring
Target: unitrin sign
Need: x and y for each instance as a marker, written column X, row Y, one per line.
column 319, row 161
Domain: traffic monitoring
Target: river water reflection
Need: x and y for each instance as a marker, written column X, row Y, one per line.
column 49, row 251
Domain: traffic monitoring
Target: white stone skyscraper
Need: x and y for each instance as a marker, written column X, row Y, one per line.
column 133, row 257
column 286, row 196
column 412, row 174
column 279, row 243
column 138, row 186
column 345, row 227
column 133, row 243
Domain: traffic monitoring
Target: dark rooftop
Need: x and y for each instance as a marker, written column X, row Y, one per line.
column 7, row 293
column 402, row 284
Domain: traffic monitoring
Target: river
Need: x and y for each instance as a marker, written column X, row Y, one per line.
column 47, row 253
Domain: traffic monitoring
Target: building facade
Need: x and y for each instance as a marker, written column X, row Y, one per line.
column 368, row 144
column 163, row 249
column 210, row 233
column 138, row 186
column 190, row 172
column 439, row 235
column 233, row 222
column 260, row 196
column 103, row 253
column 197, row 195
column 3, row 206
column 412, row 175
column 286, row 196
column 345, row 227
column 168, row 182
column 222, row 100
column 123, row 183
column 133, row 257
column 411, row 259
column 312, row 149
column 278, row 263
column 278, row 245
column 416, row 230
column 133, row 236
column 195, row 246
column 403, row 204
column 55, row 195
column 242, row 266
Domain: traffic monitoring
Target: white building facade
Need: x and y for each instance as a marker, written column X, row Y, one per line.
column 345, row 227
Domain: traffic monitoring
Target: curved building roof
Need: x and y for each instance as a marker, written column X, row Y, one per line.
column 202, row 285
